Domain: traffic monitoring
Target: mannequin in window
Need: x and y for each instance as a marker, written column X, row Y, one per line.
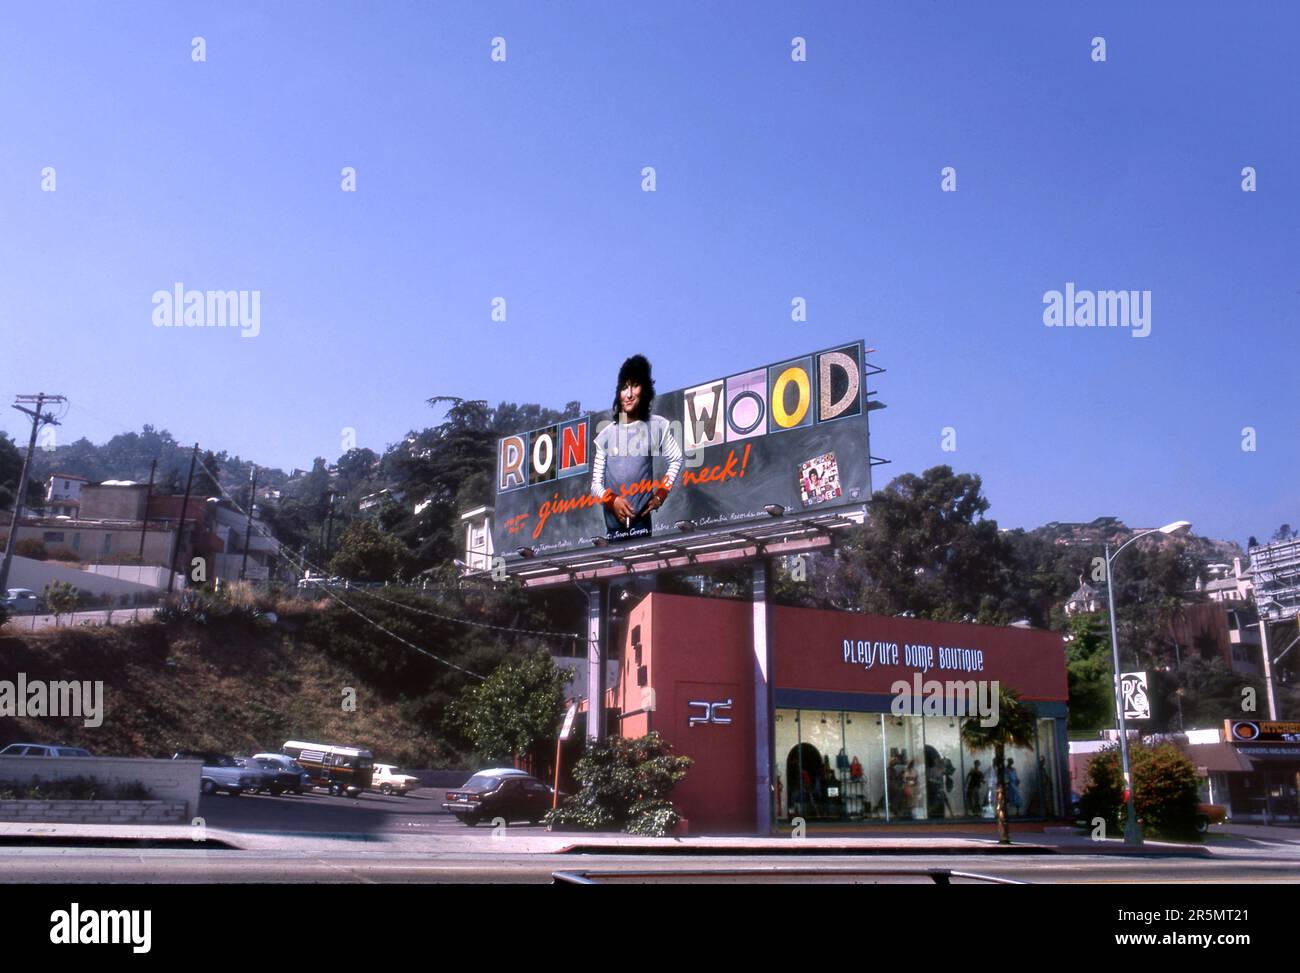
column 974, row 789
column 911, row 795
column 934, row 788
column 1013, row 785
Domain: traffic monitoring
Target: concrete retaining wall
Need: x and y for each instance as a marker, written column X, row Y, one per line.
column 30, row 573
column 167, row 780
column 96, row 812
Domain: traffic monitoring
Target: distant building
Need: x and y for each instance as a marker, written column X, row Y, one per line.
column 1084, row 601
column 478, row 538
column 118, row 523
column 1276, row 571
column 231, row 525
column 1225, row 629
column 63, row 495
column 374, row 503
column 1227, row 584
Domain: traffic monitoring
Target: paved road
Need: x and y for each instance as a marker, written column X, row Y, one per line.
column 407, row 862
column 318, row 838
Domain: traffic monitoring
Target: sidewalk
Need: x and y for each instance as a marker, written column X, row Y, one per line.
column 1050, row 841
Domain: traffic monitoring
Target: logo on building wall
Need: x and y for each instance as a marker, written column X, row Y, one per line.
column 710, row 712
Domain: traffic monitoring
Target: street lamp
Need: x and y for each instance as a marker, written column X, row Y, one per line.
column 1132, row 830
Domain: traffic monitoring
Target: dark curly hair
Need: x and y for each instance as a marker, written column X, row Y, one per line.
column 636, row 370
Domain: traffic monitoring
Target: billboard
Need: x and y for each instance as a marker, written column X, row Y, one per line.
column 793, row 433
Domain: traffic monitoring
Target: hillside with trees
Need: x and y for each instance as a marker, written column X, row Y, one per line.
column 928, row 549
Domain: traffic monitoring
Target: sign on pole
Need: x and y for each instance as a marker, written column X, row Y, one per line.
column 568, row 722
column 1133, row 691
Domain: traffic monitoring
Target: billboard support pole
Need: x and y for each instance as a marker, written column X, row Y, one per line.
column 1268, row 668
column 597, row 613
column 763, row 743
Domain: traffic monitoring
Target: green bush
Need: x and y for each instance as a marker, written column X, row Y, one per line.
column 209, row 609
column 61, row 597
column 73, row 789
column 1165, row 785
column 624, row 785
column 31, row 547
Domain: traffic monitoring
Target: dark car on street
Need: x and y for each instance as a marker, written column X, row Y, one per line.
column 500, row 793
column 290, row 775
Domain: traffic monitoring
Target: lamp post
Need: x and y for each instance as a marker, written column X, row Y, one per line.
column 1132, row 830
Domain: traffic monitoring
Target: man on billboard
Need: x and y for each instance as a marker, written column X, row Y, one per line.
column 622, row 473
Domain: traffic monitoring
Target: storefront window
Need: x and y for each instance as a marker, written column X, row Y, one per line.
column 865, row 786
column 1022, row 779
column 787, row 777
column 943, row 768
column 905, row 768
column 849, row 766
column 978, row 789
column 1047, row 802
column 821, row 737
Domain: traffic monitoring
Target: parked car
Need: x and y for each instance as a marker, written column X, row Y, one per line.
column 389, row 779
column 1208, row 814
column 267, row 778
column 290, row 775
column 43, row 750
column 23, row 601
column 500, row 793
column 221, row 772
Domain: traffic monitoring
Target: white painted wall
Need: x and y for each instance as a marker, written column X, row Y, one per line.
column 30, row 573
column 151, row 576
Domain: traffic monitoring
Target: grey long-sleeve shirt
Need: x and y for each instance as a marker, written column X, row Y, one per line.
column 625, row 453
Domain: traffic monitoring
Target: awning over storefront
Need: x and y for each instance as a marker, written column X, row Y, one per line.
column 1218, row 758
column 1262, row 753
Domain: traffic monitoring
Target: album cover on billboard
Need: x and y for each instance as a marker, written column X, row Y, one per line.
column 819, row 479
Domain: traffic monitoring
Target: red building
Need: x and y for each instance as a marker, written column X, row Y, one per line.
column 845, row 717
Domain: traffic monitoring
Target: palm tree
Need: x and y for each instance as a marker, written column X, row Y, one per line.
column 1014, row 728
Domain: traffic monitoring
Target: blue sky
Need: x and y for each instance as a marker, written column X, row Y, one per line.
column 775, row 179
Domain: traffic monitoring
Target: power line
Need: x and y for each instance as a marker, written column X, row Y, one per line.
column 303, row 561
column 400, row 639
column 465, row 621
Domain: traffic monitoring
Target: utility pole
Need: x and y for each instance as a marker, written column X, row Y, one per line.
column 39, row 419
column 329, row 531
column 144, row 524
column 180, row 524
column 248, row 528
